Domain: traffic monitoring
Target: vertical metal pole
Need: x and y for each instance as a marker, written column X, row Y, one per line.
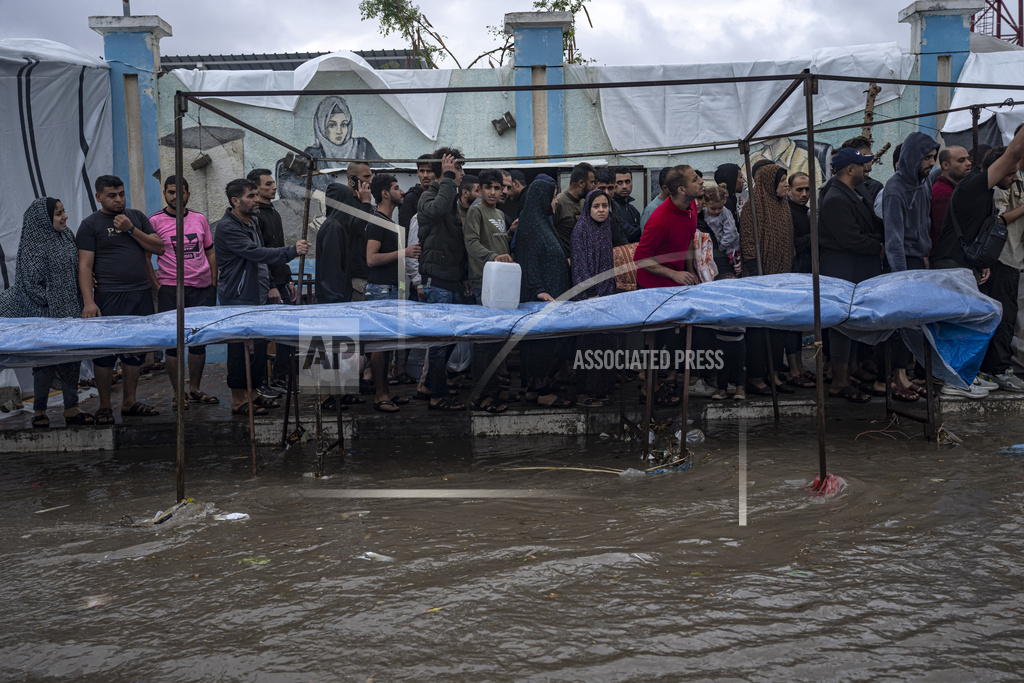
column 180, row 107
column 929, row 426
column 649, row 382
column 810, row 88
column 252, row 408
column 319, row 413
column 888, row 377
column 686, row 390
column 745, row 147
column 975, row 116
column 287, row 402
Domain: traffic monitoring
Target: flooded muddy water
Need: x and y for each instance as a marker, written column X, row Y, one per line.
column 442, row 561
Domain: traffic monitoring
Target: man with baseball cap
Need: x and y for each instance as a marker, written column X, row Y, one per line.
column 851, row 248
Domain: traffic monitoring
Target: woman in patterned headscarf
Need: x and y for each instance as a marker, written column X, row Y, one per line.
column 777, row 247
column 46, row 286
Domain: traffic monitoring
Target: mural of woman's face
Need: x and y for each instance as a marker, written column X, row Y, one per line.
column 337, row 128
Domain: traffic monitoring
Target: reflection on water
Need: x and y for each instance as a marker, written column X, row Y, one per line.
column 453, row 565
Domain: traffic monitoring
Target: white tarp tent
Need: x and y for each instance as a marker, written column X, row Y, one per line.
column 55, row 136
column 994, row 67
column 639, row 118
column 423, row 111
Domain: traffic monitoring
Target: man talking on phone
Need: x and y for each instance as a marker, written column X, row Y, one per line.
column 359, row 177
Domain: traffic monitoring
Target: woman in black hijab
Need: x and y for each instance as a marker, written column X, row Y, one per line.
column 729, row 175
column 546, row 276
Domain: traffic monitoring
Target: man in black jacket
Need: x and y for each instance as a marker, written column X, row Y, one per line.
column 282, row 289
column 244, row 280
column 628, row 215
column 411, row 200
column 851, row 249
column 443, row 261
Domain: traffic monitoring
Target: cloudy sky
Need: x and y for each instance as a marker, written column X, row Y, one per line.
column 624, row 31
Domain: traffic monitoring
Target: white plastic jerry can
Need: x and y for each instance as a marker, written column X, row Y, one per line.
column 501, row 285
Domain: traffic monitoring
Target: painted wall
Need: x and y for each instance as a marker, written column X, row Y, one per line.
column 465, row 123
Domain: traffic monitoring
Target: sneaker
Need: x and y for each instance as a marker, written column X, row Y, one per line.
column 985, row 381
column 702, row 389
column 971, row 392
column 1009, row 381
column 269, row 391
column 730, row 388
column 719, row 395
column 740, row 395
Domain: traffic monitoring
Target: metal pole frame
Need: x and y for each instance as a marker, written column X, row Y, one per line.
column 810, row 89
column 180, row 107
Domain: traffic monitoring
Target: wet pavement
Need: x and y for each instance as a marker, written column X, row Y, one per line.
column 437, row 559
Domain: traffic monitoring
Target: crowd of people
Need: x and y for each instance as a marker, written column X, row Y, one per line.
column 942, row 208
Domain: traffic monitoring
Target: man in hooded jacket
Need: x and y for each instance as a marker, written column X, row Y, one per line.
column 907, row 203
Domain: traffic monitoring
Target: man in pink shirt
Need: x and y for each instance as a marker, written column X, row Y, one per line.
column 664, row 255
column 200, row 281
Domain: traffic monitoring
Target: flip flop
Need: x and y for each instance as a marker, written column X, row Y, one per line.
column 104, row 416
column 400, row 400
column 244, row 410
column 851, row 394
column 140, row 410
column 493, row 406
column 447, row 404
column 385, row 406
column 40, row 421
column 203, row 397
column 83, row 418
column 264, row 402
column 331, row 404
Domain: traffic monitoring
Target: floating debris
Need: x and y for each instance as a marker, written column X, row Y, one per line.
column 39, row 512
column 354, row 513
column 231, row 516
column 254, row 561
column 375, row 557
column 158, row 518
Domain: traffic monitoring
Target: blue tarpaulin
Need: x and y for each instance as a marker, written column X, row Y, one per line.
column 943, row 306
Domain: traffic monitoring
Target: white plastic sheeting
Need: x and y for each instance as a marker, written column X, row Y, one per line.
column 638, row 118
column 994, row 67
column 423, row 111
column 55, row 136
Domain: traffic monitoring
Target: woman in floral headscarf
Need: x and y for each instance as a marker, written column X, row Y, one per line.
column 46, row 286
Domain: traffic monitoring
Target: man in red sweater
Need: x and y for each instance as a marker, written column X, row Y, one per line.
column 956, row 164
column 664, row 256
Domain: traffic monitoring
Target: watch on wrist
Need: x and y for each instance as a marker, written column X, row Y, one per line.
column 130, row 230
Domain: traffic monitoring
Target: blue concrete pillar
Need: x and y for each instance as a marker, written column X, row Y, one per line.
column 941, row 39
column 131, row 45
column 540, row 116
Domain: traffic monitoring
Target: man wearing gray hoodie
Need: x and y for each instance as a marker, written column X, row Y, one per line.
column 907, row 203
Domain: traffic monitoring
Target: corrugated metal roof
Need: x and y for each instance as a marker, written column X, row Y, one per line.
column 286, row 61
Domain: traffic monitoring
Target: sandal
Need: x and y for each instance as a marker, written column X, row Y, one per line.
column 801, row 381
column 331, row 404
column 385, row 406
column 404, row 378
column 901, row 393
column 592, row 403
column 83, row 418
column 422, row 396
column 244, row 409
column 40, row 421
column 264, row 402
column 759, row 391
column 174, row 404
column 104, row 416
column 140, row 410
column 447, row 404
column 399, row 400
column 351, row 400
column 492, row 405
column 851, row 394
column 203, row 397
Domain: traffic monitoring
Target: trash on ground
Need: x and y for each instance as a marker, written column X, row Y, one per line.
column 232, row 516
column 376, row 557
column 433, row 609
column 694, row 436
column 1016, row 449
column 39, row 512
